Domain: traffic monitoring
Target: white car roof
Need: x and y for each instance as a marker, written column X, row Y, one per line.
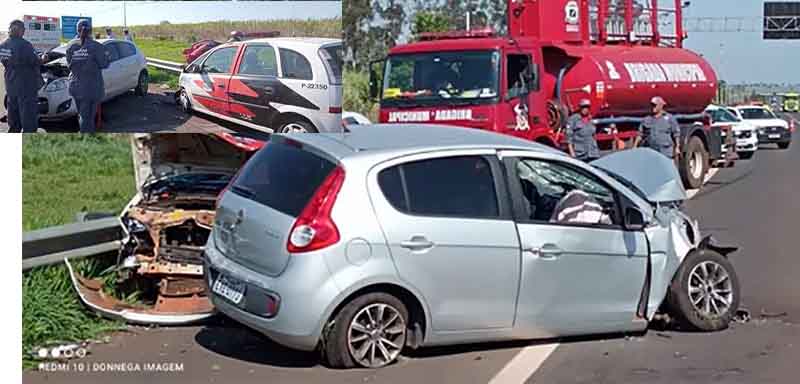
column 283, row 41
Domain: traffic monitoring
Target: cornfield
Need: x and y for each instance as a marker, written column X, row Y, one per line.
column 220, row 30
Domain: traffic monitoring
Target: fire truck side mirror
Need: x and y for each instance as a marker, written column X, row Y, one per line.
column 375, row 78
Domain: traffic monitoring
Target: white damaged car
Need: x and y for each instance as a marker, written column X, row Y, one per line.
column 127, row 71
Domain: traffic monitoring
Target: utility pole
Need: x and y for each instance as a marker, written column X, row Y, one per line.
column 125, row 14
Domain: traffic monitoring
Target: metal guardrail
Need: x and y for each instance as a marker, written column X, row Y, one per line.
column 164, row 64
column 52, row 245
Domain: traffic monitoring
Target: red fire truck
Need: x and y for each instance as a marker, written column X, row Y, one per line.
column 619, row 54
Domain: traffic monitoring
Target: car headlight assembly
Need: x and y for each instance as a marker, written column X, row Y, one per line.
column 57, row 85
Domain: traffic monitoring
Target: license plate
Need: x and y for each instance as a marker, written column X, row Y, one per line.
column 775, row 136
column 229, row 288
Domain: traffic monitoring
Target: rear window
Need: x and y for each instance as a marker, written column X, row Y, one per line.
column 333, row 57
column 283, row 177
column 460, row 186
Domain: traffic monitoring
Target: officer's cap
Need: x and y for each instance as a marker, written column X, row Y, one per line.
column 83, row 23
column 16, row 24
column 658, row 100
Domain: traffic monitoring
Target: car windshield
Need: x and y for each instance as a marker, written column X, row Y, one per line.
column 722, row 116
column 756, row 113
column 441, row 77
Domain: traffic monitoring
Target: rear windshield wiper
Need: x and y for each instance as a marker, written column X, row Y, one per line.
column 244, row 191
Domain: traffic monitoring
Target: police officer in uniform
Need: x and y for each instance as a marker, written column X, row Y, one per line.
column 23, row 79
column 660, row 131
column 581, row 134
column 86, row 59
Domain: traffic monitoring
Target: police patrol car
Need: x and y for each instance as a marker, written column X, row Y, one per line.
column 280, row 84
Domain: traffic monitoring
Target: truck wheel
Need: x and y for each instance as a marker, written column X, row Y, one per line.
column 784, row 145
column 693, row 164
column 142, row 84
column 704, row 294
column 369, row 332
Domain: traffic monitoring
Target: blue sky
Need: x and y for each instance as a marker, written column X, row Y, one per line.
column 743, row 56
column 148, row 12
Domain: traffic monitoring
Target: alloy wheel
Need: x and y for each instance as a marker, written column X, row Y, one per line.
column 710, row 289
column 294, row 128
column 376, row 335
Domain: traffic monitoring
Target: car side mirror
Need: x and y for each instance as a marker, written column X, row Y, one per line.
column 634, row 219
column 183, row 68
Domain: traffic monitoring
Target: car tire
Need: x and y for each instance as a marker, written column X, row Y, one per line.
column 142, row 84
column 701, row 310
column 340, row 347
column 746, row 155
column 297, row 126
column 693, row 164
column 784, row 145
column 183, row 101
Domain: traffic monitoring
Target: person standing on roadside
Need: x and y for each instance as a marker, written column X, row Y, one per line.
column 110, row 34
column 23, row 79
column 86, row 59
column 126, row 35
column 660, row 131
column 582, row 134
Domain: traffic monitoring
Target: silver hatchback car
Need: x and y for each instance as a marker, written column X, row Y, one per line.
column 364, row 243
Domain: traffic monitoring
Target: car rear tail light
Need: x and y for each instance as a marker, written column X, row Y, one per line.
column 792, row 125
column 314, row 229
column 335, row 109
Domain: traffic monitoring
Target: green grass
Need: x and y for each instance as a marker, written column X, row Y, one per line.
column 158, row 76
column 63, row 174
column 170, row 50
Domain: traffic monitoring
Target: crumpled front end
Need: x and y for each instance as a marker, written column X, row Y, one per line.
column 158, row 275
column 671, row 240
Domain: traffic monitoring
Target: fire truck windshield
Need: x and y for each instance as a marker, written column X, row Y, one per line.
column 441, row 78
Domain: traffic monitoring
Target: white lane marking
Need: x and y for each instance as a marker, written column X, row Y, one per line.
column 529, row 359
column 709, row 175
column 524, row 364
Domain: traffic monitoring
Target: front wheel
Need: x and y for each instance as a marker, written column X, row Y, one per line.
column 693, row 164
column 369, row 332
column 704, row 294
column 784, row 145
column 182, row 99
column 142, row 84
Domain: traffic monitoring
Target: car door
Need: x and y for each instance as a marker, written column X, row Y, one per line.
column 303, row 87
column 111, row 75
column 254, row 84
column 581, row 271
column 450, row 233
column 209, row 83
column 129, row 71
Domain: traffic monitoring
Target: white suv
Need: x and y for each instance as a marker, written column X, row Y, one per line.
column 282, row 84
column 745, row 133
column 771, row 128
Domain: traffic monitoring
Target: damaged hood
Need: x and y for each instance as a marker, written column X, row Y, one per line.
column 653, row 173
column 170, row 154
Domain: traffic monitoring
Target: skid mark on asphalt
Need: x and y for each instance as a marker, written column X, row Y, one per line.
column 529, row 359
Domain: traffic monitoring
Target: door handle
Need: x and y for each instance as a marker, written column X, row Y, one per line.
column 269, row 91
column 547, row 251
column 417, row 243
column 221, row 85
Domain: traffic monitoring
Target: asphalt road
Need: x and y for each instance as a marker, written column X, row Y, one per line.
column 753, row 206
